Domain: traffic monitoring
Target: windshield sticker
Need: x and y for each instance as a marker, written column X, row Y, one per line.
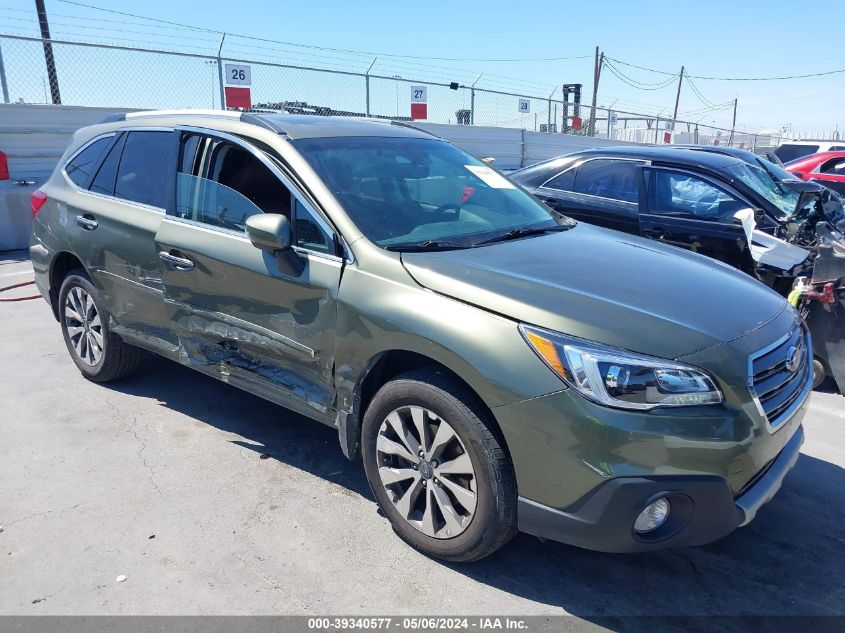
column 490, row 177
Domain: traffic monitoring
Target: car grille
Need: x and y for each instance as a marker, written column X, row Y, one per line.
column 777, row 386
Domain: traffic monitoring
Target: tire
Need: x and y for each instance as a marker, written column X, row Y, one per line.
column 819, row 372
column 449, row 531
column 86, row 329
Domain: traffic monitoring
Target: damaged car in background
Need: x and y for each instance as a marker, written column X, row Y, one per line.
column 497, row 366
column 725, row 203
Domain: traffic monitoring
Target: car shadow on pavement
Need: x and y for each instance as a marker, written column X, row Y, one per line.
column 268, row 429
column 13, row 257
column 789, row 561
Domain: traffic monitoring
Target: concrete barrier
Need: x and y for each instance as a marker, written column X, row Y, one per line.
column 34, row 137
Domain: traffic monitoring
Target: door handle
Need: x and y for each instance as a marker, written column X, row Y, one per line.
column 176, row 263
column 87, row 222
column 656, row 234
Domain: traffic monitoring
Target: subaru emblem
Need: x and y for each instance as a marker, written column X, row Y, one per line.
column 793, row 358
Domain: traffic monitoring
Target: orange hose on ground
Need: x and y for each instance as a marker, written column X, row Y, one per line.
column 20, row 285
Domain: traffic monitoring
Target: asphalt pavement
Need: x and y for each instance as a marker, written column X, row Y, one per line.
column 212, row 501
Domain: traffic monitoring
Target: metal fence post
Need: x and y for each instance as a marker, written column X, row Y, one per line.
column 522, row 149
column 3, row 83
column 472, row 100
column 656, row 129
column 367, row 83
column 220, row 73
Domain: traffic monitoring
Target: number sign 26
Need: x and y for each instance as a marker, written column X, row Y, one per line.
column 238, row 75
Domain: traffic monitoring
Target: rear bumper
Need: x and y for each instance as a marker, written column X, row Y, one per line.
column 702, row 509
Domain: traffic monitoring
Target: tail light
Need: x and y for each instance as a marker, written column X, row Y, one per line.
column 38, row 200
column 4, row 166
column 827, row 294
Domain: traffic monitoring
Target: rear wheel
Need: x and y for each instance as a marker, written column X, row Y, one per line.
column 438, row 471
column 99, row 354
column 819, row 372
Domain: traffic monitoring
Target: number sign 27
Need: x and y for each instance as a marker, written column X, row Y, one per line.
column 418, row 94
column 238, row 75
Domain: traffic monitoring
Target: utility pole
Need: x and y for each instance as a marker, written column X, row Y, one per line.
column 733, row 126
column 591, row 128
column 677, row 101
column 48, row 52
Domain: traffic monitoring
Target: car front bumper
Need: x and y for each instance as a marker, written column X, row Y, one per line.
column 702, row 508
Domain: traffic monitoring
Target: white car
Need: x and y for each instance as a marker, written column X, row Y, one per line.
column 793, row 150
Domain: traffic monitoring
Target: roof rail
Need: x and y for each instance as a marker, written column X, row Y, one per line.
column 113, row 118
column 253, row 119
column 414, row 127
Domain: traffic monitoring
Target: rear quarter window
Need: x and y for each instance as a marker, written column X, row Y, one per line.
column 80, row 168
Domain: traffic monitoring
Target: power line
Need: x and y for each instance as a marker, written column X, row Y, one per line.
column 712, row 78
column 634, row 83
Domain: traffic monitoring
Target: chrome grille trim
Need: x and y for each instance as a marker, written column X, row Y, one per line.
column 777, row 392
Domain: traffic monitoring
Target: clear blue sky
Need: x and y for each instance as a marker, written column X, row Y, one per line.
column 718, row 38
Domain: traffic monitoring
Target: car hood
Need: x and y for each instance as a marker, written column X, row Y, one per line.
column 605, row 286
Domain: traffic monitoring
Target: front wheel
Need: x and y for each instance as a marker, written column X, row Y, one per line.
column 99, row 354
column 437, row 469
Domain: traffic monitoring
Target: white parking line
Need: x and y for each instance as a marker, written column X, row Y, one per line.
column 17, row 274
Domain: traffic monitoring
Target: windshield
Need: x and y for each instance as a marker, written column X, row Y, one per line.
column 782, row 197
column 412, row 191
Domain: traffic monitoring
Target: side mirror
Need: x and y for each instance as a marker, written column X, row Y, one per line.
column 271, row 233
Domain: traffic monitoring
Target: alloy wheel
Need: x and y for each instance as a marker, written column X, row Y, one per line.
column 426, row 471
column 83, row 325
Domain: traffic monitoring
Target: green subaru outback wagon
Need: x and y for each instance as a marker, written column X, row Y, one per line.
column 497, row 366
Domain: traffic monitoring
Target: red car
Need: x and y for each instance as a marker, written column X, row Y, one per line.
column 827, row 168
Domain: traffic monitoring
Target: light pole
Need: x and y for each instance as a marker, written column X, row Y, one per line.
column 212, row 64
column 397, row 78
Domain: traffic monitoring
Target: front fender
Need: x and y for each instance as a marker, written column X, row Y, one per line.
column 377, row 315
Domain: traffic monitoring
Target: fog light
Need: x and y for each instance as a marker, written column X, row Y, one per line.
column 652, row 517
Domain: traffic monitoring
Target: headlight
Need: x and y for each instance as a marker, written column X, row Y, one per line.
column 618, row 378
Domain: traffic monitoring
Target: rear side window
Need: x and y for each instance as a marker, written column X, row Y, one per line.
column 144, row 167
column 834, row 167
column 614, row 179
column 79, row 169
column 104, row 180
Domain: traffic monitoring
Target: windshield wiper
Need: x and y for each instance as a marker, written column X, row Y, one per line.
column 526, row 231
column 428, row 245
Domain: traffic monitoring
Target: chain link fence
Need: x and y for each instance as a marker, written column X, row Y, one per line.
column 123, row 77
